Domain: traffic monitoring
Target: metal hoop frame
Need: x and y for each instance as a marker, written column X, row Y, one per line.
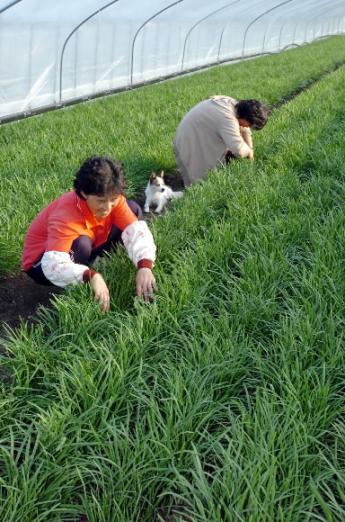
column 72, row 33
column 258, row 18
column 325, row 7
column 221, row 41
column 3, row 9
column 198, row 23
column 143, row 25
column 280, row 33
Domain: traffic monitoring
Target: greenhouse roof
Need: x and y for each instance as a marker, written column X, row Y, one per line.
column 55, row 53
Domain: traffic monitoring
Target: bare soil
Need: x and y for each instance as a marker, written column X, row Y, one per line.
column 20, row 297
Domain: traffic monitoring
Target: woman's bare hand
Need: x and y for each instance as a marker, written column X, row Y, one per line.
column 146, row 284
column 101, row 291
column 251, row 155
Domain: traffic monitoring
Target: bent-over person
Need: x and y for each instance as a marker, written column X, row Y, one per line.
column 215, row 130
column 66, row 237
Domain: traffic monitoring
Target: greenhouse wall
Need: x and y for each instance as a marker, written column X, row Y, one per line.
column 54, row 53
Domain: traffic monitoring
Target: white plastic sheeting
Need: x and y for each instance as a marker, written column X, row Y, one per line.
column 53, row 52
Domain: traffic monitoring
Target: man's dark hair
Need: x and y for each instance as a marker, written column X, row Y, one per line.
column 100, row 176
column 255, row 112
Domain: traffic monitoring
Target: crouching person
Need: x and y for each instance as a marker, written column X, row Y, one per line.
column 214, row 131
column 66, row 237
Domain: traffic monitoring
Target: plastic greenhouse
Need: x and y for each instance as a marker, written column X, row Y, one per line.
column 54, row 53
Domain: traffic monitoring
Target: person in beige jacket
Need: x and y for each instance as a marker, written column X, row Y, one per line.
column 215, row 130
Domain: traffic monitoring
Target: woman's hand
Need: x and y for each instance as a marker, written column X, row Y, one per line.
column 101, row 291
column 146, row 284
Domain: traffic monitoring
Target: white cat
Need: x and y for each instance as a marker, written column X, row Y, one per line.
column 157, row 193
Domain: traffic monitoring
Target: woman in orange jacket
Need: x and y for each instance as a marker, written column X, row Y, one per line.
column 66, row 237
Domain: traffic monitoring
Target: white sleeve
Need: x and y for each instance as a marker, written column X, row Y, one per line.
column 139, row 242
column 60, row 270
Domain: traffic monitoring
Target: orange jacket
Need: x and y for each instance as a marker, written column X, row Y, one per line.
column 65, row 219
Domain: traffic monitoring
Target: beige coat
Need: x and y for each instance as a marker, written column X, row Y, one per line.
column 204, row 135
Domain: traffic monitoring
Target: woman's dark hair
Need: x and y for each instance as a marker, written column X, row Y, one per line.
column 100, row 176
column 255, row 112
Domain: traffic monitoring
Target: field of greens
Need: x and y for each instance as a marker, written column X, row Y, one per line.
column 41, row 155
column 224, row 399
